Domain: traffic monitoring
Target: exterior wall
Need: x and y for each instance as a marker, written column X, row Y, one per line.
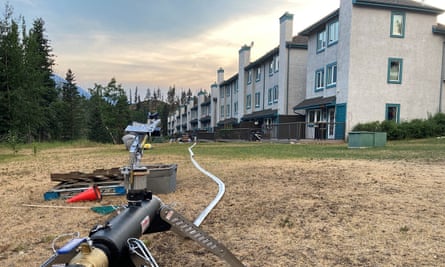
column 296, row 79
column 271, row 80
column 214, row 93
column 369, row 91
column 319, row 60
column 243, row 61
column 286, row 30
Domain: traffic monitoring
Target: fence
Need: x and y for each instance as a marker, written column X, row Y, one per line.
column 285, row 131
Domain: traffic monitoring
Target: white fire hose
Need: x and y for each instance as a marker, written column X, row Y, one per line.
column 221, row 189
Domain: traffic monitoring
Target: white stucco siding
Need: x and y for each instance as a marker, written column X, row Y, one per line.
column 371, row 48
column 297, row 78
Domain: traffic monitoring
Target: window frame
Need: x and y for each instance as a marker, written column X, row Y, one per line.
column 330, row 83
column 397, row 117
column 402, row 30
column 248, row 101
column 321, row 44
column 257, row 99
column 276, row 64
column 228, row 111
column 235, row 108
column 318, row 80
column 249, row 76
column 329, row 41
column 258, row 74
column 275, row 94
column 400, row 72
column 269, row 96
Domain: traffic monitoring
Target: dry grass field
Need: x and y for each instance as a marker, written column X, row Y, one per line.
column 275, row 212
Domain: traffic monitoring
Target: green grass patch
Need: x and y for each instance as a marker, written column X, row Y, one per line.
column 425, row 150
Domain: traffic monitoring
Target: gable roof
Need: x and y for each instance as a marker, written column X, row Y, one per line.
column 298, row 42
column 320, row 23
column 408, row 5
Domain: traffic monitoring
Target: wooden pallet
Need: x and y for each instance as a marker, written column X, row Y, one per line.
column 109, row 182
column 97, row 175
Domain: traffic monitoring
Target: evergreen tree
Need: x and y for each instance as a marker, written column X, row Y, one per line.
column 11, row 73
column 163, row 115
column 39, row 93
column 97, row 130
column 147, row 94
column 159, row 94
column 183, row 98
column 117, row 114
column 189, row 95
column 71, row 115
column 172, row 99
column 109, row 112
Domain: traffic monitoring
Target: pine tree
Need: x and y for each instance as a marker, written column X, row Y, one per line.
column 97, row 130
column 39, row 93
column 71, row 115
column 11, row 73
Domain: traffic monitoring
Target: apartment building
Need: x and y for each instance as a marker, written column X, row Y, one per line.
column 262, row 92
column 369, row 60
column 373, row 60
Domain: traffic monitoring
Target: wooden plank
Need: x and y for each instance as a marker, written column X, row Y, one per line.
column 97, row 175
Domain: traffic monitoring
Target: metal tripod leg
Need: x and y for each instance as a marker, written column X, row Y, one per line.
column 184, row 227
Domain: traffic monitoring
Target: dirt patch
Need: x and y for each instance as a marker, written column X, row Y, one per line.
column 274, row 212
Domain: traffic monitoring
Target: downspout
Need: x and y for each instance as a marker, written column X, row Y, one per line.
column 442, row 78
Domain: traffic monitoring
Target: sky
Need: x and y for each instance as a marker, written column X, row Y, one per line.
column 161, row 43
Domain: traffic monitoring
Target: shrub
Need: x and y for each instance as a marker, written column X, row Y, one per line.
column 414, row 129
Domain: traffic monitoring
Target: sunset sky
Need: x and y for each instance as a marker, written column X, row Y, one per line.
column 160, row 43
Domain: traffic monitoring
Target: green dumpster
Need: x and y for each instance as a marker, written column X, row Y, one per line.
column 364, row 139
column 379, row 139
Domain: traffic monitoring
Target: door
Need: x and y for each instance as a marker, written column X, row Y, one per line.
column 340, row 121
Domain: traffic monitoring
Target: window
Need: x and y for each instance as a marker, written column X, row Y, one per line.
column 257, row 99
column 397, row 24
column 269, row 96
column 271, row 68
column 235, row 108
column 222, row 112
column 249, row 77
column 277, row 64
column 248, row 101
column 228, row 91
column 333, row 33
column 321, row 41
column 314, row 115
column 275, row 94
column 221, row 92
column 258, row 75
column 228, row 111
column 236, row 86
column 331, row 75
column 395, row 67
column 319, row 80
column 393, row 112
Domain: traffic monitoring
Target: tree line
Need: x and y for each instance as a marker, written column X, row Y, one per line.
column 33, row 108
